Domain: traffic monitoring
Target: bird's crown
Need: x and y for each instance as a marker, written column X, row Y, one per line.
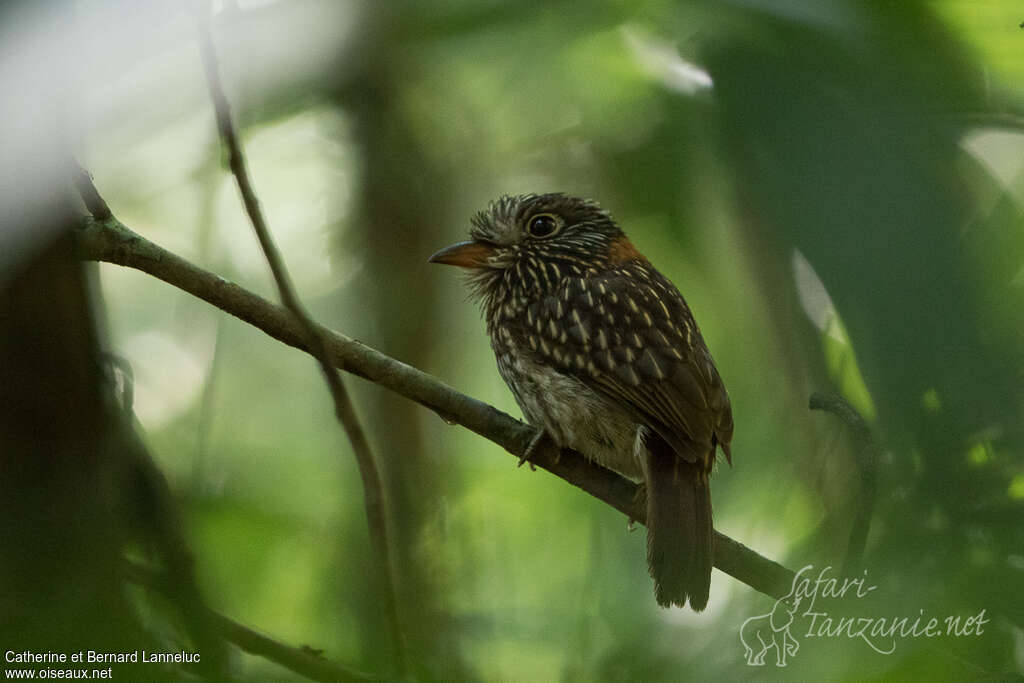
column 536, row 219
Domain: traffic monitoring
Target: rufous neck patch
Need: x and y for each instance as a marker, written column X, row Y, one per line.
column 622, row 251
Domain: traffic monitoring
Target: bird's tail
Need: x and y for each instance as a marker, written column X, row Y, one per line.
column 680, row 540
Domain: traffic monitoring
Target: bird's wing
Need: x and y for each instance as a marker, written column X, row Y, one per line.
column 630, row 335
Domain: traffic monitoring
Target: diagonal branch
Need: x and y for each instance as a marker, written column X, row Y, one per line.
column 110, row 241
column 867, row 463
column 303, row 661
column 313, row 341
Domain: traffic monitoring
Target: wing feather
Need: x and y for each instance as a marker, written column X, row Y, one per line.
column 631, row 336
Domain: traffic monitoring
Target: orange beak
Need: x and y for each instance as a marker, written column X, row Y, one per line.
column 464, row 254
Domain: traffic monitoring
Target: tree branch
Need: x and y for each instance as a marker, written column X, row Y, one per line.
column 90, row 196
column 867, row 463
column 110, row 241
column 313, row 341
column 302, row 661
column 146, row 500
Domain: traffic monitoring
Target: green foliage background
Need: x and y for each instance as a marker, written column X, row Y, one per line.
column 841, row 209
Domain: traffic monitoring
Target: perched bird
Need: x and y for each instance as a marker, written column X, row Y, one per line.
column 604, row 356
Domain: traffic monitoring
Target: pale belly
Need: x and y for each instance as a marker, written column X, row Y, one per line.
column 574, row 415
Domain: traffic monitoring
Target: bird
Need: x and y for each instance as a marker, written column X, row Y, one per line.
column 603, row 356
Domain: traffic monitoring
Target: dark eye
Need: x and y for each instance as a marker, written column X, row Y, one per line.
column 542, row 225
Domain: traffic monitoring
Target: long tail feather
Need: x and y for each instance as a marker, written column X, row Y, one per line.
column 680, row 539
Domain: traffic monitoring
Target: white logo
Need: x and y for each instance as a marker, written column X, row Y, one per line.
column 766, row 631
column 780, row 629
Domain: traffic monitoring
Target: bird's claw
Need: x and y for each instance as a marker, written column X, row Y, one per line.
column 640, row 496
column 639, row 500
column 531, row 448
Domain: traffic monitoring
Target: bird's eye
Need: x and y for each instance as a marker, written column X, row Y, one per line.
column 542, row 225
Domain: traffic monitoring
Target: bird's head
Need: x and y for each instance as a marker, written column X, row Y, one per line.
column 526, row 245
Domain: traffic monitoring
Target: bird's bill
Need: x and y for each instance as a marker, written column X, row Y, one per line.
column 464, row 254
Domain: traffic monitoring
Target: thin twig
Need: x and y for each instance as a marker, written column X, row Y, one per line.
column 148, row 503
column 867, row 464
column 343, row 408
column 301, row 660
column 146, row 500
column 89, row 194
column 112, row 242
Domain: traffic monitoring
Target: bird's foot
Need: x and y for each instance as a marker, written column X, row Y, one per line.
column 640, row 496
column 639, row 500
column 532, row 447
